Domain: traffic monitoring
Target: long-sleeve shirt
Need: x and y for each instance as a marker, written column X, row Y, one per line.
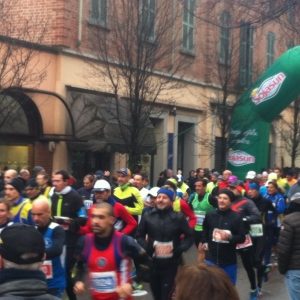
column 58, row 241
column 278, row 202
column 223, row 253
column 124, row 221
column 165, row 227
column 131, row 198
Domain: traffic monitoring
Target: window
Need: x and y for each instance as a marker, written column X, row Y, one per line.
column 271, row 6
column 270, row 48
column 291, row 11
column 99, row 12
column 246, row 54
column 219, row 145
column 188, row 26
column 224, row 38
column 148, row 19
column 290, row 45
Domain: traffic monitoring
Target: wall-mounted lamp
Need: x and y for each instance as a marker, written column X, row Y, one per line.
column 172, row 112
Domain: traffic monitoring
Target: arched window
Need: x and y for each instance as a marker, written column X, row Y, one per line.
column 19, row 115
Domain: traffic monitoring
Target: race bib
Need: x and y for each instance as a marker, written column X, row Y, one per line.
column 200, row 219
column 247, row 243
column 118, row 225
column 217, row 235
column 88, row 203
column 256, row 230
column 47, row 269
column 103, row 282
column 163, row 249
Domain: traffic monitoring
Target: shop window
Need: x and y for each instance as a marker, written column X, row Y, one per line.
column 16, row 156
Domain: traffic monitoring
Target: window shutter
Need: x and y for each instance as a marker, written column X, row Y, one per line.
column 103, row 11
column 224, row 37
column 243, row 50
column 251, row 48
column 95, row 10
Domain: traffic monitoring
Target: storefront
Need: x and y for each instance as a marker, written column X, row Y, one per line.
column 20, row 125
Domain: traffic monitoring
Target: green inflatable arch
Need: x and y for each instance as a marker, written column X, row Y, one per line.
column 274, row 90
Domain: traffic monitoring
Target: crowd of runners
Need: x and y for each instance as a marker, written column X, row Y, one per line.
column 121, row 232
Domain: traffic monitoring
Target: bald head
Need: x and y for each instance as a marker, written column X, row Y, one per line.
column 41, row 212
column 24, row 173
column 226, row 174
column 10, row 174
column 107, row 206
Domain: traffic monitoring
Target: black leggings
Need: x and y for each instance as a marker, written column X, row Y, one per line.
column 198, row 237
column 162, row 281
column 259, row 246
column 70, row 263
column 247, row 259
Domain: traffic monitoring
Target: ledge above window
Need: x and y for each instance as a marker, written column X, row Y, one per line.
column 99, row 24
column 188, row 52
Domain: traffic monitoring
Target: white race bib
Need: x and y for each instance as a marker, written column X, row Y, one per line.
column 47, row 269
column 200, row 219
column 217, row 237
column 88, row 203
column 256, row 230
column 103, row 282
column 163, row 249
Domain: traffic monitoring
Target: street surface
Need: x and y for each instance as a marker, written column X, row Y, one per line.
column 274, row 289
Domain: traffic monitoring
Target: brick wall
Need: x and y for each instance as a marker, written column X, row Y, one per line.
column 60, row 18
column 43, row 157
column 49, row 22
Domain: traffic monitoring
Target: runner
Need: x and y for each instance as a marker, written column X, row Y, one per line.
column 68, row 210
column 128, row 195
column 259, row 238
column 55, row 247
column 201, row 202
column 4, row 213
column 86, row 191
column 107, row 254
column 21, row 207
column 159, row 232
column 222, row 230
column 124, row 222
column 277, row 200
column 181, row 205
column 251, row 215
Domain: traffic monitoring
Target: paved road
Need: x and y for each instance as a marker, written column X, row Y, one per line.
column 274, row 289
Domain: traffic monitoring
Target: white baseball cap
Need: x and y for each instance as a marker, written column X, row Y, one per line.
column 250, row 175
column 153, row 191
column 101, row 185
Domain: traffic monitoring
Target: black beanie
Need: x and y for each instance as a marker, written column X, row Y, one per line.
column 31, row 183
column 17, row 184
column 229, row 193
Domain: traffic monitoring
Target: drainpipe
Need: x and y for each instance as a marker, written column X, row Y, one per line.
column 79, row 38
column 173, row 35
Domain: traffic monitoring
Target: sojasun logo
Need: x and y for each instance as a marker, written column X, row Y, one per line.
column 240, row 158
column 268, row 89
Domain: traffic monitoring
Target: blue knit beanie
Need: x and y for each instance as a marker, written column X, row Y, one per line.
column 254, row 186
column 171, row 194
